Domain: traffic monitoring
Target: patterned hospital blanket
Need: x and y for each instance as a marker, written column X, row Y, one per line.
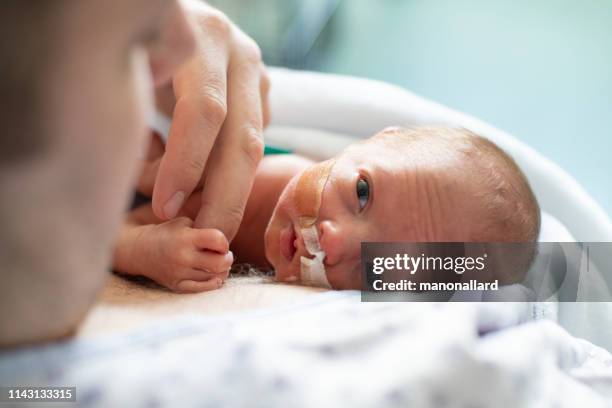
column 331, row 350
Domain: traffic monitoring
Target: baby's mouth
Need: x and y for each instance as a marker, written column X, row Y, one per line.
column 288, row 243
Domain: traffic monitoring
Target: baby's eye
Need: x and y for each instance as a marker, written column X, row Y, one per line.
column 363, row 193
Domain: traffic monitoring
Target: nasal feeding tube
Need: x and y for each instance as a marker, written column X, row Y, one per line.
column 307, row 199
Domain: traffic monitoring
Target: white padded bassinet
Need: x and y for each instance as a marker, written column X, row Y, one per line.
column 313, row 113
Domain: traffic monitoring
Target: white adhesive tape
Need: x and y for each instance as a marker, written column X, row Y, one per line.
column 313, row 270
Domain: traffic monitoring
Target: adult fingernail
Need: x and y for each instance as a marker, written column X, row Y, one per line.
column 174, row 204
column 230, row 256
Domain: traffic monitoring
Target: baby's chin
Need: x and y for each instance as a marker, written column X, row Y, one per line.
column 282, row 274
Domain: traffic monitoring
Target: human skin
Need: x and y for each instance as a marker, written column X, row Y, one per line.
column 208, row 131
column 181, row 257
column 66, row 204
column 409, row 196
column 408, row 202
column 96, row 100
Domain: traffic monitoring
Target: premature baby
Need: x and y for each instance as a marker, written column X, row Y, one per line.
column 307, row 220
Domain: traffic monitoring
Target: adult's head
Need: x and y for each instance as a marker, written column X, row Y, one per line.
column 75, row 91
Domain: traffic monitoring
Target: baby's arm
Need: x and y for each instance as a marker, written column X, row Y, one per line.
column 172, row 253
column 185, row 259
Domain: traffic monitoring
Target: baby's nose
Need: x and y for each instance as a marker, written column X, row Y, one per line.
column 331, row 240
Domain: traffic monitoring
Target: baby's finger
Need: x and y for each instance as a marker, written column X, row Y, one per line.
column 210, row 239
column 194, row 274
column 213, row 262
column 192, row 286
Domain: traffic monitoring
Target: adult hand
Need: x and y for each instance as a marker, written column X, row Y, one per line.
column 220, row 107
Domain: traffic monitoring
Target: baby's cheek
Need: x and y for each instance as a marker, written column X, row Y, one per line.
column 273, row 254
column 285, row 207
column 308, row 191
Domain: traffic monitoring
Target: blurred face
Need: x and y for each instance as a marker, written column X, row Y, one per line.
column 99, row 96
column 377, row 191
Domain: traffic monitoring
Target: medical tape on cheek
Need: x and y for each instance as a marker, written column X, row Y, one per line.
column 308, row 193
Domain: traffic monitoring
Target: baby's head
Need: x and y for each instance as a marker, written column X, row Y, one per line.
column 433, row 184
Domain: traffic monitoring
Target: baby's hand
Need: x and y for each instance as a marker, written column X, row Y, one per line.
column 186, row 259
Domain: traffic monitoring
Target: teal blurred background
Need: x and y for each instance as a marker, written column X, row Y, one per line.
column 541, row 70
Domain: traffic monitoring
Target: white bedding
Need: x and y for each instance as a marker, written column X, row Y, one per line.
column 331, row 350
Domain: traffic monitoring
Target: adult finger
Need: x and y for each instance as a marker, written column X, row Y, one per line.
column 200, row 110
column 236, row 154
column 264, row 90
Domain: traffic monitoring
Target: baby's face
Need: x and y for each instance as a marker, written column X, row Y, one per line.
column 374, row 193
